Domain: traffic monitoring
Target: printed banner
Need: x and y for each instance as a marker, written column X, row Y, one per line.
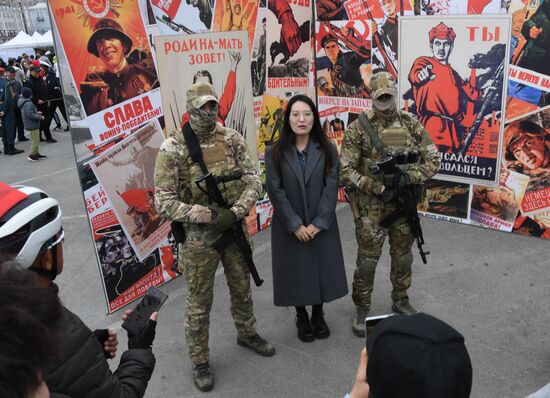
column 110, row 60
column 182, row 16
column 454, row 79
column 446, row 200
column 526, row 150
column 258, row 63
column 288, row 44
column 232, row 15
column 126, row 173
column 498, row 207
column 336, row 114
column 221, row 59
column 271, row 122
column 343, row 58
column 123, row 276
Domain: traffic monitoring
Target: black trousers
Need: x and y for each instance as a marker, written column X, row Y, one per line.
column 45, row 124
column 61, row 105
column 19, row 123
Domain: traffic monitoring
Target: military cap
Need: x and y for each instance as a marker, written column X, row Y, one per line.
column 442, row 31
column 519, row 128
column 327, row 39
column 200, row 93
column 45, row 61
column 417, row 356
column 108, row 25
column 382, row 83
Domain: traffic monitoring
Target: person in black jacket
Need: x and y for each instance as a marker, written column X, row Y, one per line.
column 40, row 99
column 81, row 369
column 55, row 94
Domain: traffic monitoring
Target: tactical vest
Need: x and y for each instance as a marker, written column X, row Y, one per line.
column 398, row 141
column 220, row 161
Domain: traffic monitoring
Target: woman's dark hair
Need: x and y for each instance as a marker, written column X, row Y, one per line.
column 27, row 342
column 288, row 138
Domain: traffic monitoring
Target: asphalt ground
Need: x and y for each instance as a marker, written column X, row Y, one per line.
column 491, row 286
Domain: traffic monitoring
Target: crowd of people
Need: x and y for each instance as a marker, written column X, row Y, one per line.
column 409, row 354
column 30, row 94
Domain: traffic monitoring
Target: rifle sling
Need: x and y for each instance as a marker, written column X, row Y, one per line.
column 194, row 147
column 374, row 138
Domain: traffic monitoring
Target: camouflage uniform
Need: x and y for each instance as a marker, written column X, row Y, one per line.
column 178, row 198
column 401, row 133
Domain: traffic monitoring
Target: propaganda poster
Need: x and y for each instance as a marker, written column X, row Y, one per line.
column 110, row 60
column 288, row 45
column 221, row 59
column 453, row 77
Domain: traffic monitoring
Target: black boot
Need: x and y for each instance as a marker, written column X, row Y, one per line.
column 14, row 150
column 305, row 331
column 320, row 327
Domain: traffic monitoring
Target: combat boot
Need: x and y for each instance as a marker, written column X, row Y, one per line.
column 203, row 377
column 358, row 325
column 402, row 306
column 257, row 344
column 14, row 150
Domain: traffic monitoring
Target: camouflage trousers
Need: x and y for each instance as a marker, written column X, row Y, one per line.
column 370, row 239
column 199, row 261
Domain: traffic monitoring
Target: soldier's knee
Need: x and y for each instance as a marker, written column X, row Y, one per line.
column 366, row 267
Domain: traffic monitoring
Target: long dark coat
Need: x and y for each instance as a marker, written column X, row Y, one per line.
column 305, row 273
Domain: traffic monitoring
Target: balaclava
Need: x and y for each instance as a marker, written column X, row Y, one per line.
column 202, row 122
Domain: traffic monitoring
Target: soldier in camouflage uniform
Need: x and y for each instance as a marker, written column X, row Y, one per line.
column 373, row 195
column 178, row 198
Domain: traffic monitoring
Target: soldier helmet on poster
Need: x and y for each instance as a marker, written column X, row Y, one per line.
column 113, row 28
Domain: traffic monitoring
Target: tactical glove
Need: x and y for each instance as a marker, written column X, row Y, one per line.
column 222, row 219
column 397, row 180
column 145, row 338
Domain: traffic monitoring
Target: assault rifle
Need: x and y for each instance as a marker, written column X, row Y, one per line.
column 235, row 233
column 406, row 208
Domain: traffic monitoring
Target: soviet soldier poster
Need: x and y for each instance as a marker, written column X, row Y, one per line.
column 335, row 115
column 453, row 77
column 288, row 45
column 526, row 150
column 529, row 76
column 221, row 59
column 126, row 173
column 271, row 122
column 446, row 200
column 111, row 64
column 343, row 60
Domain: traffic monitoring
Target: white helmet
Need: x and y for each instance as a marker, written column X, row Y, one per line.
column 30, row 223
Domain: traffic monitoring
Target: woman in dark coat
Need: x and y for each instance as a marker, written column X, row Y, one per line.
column 302, row 183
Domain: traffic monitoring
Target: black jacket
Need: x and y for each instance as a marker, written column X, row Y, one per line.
column 82, row 371
column 39, row 90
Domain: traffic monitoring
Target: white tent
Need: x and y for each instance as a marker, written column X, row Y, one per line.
column 36, row 36
column 45, row 40
column 22, row 43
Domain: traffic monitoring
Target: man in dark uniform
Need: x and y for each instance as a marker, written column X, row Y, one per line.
column 344, row 70
column 40, row 99
column 124, row 76
column 536, row 54
column 9, row 104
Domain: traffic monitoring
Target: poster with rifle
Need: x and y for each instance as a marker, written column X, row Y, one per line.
column 453, row 77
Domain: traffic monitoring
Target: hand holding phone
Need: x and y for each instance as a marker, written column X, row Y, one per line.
column 141, row 322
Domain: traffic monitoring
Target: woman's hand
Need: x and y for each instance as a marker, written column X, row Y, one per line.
column 313, row 230
column 302, row 234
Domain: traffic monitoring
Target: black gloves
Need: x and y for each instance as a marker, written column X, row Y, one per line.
column 222, row 219
column 102, row 335
column 145, row 337
column 397, row 180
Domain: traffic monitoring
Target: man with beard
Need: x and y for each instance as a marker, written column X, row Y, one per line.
column 177, row 198
column 120, row 80
column 373, row 193
column 440, row 94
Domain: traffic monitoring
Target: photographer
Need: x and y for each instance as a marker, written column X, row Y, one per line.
column 81, row 369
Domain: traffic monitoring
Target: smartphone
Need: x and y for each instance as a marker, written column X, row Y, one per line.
column 148, row 304
column 372, row 321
